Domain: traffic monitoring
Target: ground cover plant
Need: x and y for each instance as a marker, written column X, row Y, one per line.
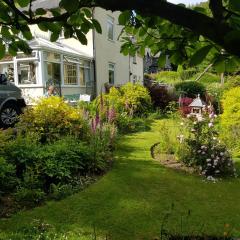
column 131, row 201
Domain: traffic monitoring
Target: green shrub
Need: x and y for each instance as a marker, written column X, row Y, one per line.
column 230, row 119
column 136, row 99
column 187, row 74
column 170, row 77
column 52, row 118
column 209, row 78
column 29, row 197
column 7, row 176
column 190, row 89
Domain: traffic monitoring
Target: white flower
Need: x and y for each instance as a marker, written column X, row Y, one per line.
column 188, row 116
column 209, row 164
column 203, row 153
column 212, row 155
column 221, row 154
column 181, row 123
column 195, row 123
column 214, row 138
column 199, row 151
column 202, row 147
column 208, row 160
column 217, row 171
column 210, row 124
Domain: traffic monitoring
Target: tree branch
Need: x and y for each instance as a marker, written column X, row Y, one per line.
column 195, row 21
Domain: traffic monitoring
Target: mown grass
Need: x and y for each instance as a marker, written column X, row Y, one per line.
column 131, row 201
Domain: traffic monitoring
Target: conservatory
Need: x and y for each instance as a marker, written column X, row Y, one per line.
column 50, row 64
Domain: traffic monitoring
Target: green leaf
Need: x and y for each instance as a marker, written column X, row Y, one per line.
column 124, row 17
column 162, row 60
column 40, row 11
column 2, row 49
column 6, row 33
column 70, row 6
column 81, row 37
column 231, row 65
column 4, row 15
column 54, row 37
column 23, row 46
column 87, row 12
column 26, row 32
column 12, row 49
column 97, row 26
column 234, row 5
column 43, row 27
column 199, row 55
column 219, row 65
column 23, row 3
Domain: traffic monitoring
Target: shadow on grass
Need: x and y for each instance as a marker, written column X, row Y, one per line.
column 130, row 202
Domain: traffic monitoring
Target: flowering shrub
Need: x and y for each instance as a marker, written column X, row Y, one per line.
column 203, row 150
column 132, row 99
column 52, row 118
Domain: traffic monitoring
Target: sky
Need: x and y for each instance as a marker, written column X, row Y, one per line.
column 187, row 1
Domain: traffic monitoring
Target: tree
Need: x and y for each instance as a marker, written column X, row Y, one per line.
column 182, row 32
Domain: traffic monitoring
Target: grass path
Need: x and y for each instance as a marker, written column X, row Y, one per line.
column 131, row 200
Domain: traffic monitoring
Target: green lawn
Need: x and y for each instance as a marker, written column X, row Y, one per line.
column 131, row 200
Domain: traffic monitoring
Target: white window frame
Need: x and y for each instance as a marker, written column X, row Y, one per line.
column 73, row 60
column 85, row 67
column 114, row 71
column 110, row 21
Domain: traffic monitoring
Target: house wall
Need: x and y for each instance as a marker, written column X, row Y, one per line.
column 136, row 69
column 108, row 51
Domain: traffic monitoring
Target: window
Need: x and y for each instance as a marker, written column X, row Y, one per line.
column 8, row 70
column 135, row 59
column 52, row 57
column 111, row 73
column 26, row 73
column 110, row 28
column 84, row 72
column 70, row 74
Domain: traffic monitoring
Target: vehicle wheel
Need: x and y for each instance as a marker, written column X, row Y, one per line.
column 9, row 115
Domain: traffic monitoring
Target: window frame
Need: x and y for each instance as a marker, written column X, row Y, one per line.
column 110, row 22
column 114, row 72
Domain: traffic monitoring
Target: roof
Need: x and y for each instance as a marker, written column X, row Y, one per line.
column 41, row 43
column 197, row 102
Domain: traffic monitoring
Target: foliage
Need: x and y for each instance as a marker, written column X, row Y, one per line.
column 171, row 34
column 7, row 176
column 203, row 150
column 190, row 89
column 230, row 128
column 165, row 77
column 187, row 74
column 29, row 170
column 52, row 118
column 161, row 95
column 136, row 98
column 168, row 137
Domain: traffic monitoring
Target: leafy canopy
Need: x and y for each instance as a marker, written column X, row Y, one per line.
column 187, row 35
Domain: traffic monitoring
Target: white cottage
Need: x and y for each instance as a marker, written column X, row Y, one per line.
column 74, row 69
